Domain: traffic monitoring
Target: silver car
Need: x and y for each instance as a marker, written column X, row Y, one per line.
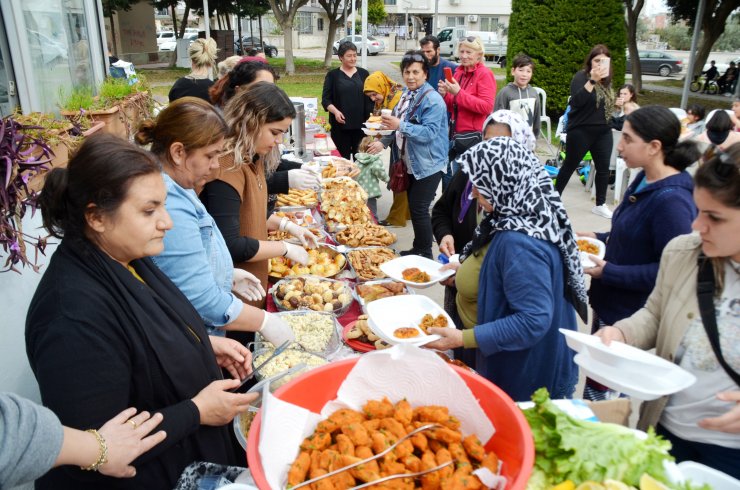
column 374, row 45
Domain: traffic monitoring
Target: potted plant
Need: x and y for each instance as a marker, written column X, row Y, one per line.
column 22, row 156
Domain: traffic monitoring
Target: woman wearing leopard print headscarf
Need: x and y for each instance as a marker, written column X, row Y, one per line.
column 522, row 274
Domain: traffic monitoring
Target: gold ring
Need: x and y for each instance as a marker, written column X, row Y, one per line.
column 133, row 423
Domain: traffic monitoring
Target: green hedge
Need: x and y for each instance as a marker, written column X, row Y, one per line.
column 558, row 35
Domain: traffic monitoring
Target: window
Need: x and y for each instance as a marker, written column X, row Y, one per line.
column 304, row 22
column 389, row 2
column 456, row 21
column 320, row 24
column 488, row 23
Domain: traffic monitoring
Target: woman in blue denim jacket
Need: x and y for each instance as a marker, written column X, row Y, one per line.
column 419, row 121
column 195, row 255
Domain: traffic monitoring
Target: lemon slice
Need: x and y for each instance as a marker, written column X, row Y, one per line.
column 647, row 482
column 616, row 485
column 590, row 485
column 566, row 485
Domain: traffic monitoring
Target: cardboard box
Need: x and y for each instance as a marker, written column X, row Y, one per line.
column 614, row 411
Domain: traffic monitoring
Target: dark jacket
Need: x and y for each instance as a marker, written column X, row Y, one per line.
column 642, row 226
column 584, row 107
column 447, row 209
column 100, row 341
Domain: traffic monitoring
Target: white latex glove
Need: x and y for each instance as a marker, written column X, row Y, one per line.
column 275, row 330
column 307, row 238
column 296, row 253
column 247, row 285
column 303, row 179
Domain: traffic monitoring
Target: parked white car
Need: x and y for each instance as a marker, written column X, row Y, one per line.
column 171, row 45
column 165, row 36
column 374, row 46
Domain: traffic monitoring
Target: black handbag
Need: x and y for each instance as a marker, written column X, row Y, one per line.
column 705, row 296
column 464, row 140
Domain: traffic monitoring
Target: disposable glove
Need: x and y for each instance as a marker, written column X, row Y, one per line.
column 303, row 179
column 295, row 253
column 275, row 330
column 247, row 285
column 306, row 236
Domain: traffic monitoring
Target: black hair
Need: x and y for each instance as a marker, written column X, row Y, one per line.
column 698, row 110
column 656, row 122
column 429, row 39
column 99, row 173
column 415, row 56
column 245, row 73
column 252, row 52
column 346, row 46
column 596, row 51
column 720, row 122
column 632, row 91
column 724, row 187
column 522, row 60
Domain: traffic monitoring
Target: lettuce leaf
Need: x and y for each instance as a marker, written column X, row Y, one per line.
column 578, row 450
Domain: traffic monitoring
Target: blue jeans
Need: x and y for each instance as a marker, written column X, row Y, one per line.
column 720, row 458
column 421, row 193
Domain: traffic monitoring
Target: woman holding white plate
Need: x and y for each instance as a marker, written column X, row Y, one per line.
column 656, row 208
column 520, row 278
column 703, row 421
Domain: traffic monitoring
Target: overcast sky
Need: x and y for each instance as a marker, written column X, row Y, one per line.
column 654, row 7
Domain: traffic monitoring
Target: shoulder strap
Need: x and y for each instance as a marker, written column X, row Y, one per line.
column 705, row 295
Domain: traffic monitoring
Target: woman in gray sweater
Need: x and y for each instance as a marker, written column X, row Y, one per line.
column 32, row 441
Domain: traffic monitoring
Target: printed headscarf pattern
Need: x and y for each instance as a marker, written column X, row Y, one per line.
column 379, row 82
column 521, row 132
column 513, row 180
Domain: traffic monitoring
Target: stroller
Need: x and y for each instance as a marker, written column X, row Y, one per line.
column 553, row 165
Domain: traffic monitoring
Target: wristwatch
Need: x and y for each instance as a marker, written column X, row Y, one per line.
column 592, row 81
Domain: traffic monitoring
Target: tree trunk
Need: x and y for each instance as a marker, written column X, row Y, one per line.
column 329, row 53
column 184, row 20
column 228, row 22
column 174, row 19
column 288, row 40
column 239, row 33
column 633, row 14
column 259, row 25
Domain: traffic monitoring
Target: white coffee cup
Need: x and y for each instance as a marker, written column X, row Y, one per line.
column 385, row 112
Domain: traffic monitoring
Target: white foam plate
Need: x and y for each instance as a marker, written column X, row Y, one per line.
column 636, row 381
column 586, row 262
column 373, row 132
column 388, row 314
column 374, row 125
column 701, row 474
column 394, row 269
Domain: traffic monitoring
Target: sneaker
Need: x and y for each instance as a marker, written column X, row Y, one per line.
column 602, row 211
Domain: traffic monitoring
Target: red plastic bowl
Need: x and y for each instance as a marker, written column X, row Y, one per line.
column 512, row 441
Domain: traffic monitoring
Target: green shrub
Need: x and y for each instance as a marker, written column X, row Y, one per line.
column 558, row 35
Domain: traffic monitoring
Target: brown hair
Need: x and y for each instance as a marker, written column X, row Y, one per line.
column 596, row 51
column 190, row 120
column 365, row 143
column 99, row 173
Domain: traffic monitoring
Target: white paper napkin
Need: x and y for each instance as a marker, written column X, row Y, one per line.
column 403, row 371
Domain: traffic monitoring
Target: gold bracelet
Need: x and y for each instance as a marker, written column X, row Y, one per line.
column 103, row 457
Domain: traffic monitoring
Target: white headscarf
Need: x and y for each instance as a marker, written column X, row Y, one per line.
column 521, row 132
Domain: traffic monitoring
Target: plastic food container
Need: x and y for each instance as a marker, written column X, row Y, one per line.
column 378, row 275
column 288, row 359
column 512, row 440
column 324, row 337
column 364, row 303
column 345, row 289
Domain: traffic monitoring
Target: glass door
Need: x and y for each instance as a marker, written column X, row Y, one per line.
column 8, row 92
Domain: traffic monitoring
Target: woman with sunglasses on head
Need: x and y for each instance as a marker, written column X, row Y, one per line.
column 236, row 196
column 591, row 107
column 702, row 422
column 418, row 121
column 107, row 330
column 344, row 99
column 469, row 97
column 521, row 274
column 656, row 208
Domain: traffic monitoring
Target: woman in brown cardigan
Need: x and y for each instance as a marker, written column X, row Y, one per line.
column 236, row 197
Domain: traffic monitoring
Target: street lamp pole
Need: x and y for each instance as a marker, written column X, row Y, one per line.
column 435, row 26
column 408, row 5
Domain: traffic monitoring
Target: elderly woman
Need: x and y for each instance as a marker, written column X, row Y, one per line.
column 237, row 195
column 456, row 214
column 469, row 97
column 698, row 328
column 344, row 99
column 386, row 94
column 418, row 120
column 520, row 277
column 119, row 333
column 196, row 83
column 195, row 255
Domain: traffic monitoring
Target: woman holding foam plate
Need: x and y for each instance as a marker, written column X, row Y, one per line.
column 656, row 208
column 703, row 421
column 520, row 277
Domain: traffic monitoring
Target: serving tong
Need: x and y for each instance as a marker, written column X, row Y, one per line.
column 272, row 356
column 379, row 455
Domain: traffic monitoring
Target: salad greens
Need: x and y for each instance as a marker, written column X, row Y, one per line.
column 578, row 450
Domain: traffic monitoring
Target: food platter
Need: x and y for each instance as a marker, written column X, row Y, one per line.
column 593, row 247
column 387, row 315
column 395, row 269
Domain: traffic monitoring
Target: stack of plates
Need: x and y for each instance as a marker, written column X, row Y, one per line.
column 394, row 269
column 627, row 369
